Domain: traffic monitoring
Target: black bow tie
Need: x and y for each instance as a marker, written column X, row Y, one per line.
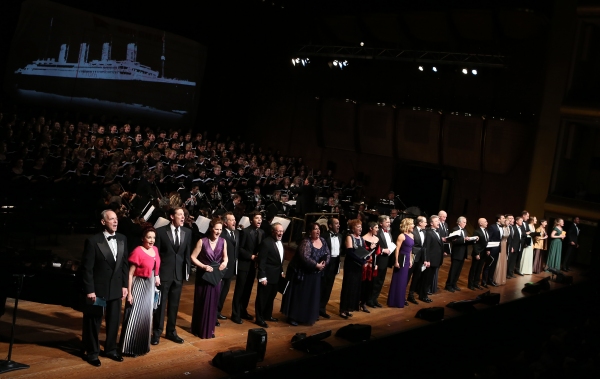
column 111, row 238
column 333, row 234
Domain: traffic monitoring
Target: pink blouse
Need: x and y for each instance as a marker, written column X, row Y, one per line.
column 144, row 263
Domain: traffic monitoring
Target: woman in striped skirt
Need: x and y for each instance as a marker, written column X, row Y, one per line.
column 144, row 262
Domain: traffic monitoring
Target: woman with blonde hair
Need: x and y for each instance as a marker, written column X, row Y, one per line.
column 556, row 238
column 403, row 262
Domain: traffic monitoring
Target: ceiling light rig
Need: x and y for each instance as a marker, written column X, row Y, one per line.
column 340, row 64
column 300, row 61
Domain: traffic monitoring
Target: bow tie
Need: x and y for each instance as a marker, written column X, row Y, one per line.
column 385, row 230
column 111, row 238
column 333, row 234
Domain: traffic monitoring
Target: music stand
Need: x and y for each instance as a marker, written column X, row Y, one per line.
column 9, row 365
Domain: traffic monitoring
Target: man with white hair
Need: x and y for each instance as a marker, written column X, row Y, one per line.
column 459, row 254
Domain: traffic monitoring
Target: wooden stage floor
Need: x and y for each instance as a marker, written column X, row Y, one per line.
column 48, row 336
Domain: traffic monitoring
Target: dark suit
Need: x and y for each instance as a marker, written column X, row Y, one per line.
column 514, row 247
column 434, row 254
column 415, row 270
column 174, row 269
column 479, row 251
column 305, row 199
column 524, row 229
column 329, row 272
column 233, row 248
column 270, row 266
column 572, row 236
column 459, row 254
column 250, row 239
column 382, row 266
column 106, row 277
column 495, row 233
column 443, row 231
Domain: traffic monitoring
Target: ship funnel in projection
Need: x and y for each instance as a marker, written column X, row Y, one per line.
column 64, row 52
column 105, row 52
column 131, row 52
column 84, row 49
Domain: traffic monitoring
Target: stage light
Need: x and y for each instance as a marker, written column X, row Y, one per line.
column 465, row 71
column 420, row 68
column 434, row 69
column 300, row 61
column 362, row 43
column 474, row 72
column 340, row 64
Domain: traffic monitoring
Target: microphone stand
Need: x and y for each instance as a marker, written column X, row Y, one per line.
column 9, row 365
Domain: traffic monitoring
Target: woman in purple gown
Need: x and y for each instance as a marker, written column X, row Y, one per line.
column 404, row 245
column 206, row 296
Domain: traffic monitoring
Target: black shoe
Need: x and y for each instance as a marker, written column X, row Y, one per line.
column 484, row 285
column 95, row 362
column 292, row 322
column 377, row 305
column 370, row 305
column 155, row 340
column 247, row 317
column 262, row 324
column 456, row 288
column 324, row 315
column 479, row 287
column 237, row 320
column 431, row 293
column 175, row 338
column 510, row 277
column 472, row 288
column 344, row 315
column 518, row 273
column 405, row 303
column 273, row 319
column 349, row 314
column 412, row 299
column 364, row 309
column 426, row 300
column 115, row 357
column 217, row 323
column 493, row 284
column 449, row 289
column 221, row 317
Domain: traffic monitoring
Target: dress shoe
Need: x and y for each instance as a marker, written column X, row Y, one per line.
column 155, row 340
column 518, row 273
column 221, row 317
column 247, row 317
column 510, row 277
column 115, row 357
column 175, row 338
column 493, row 284
column 449, row 289
column 273, row 319
column 324, row 315
column 364, row 309
column 217, row 323
column 411, row 299
column 426, row 300
column 479, row 287
column 377, row 305
column 371, row 305
column 94, row 362
column 472, row 288
column 349, row 314
column 431, row 293
column 456, row 288
column 237, row 320
column 292, row 322
column 262, row 324
column 484, row 285
column 344, row 315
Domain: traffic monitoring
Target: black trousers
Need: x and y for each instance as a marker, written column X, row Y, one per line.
column 170, row 293
column 241, row 294
column 510, row 264
column 327, row 281
column 475, row 270
column 382, row 266
column 519, row 255
column 490, row 267
column 456, row 266
column 426, row 279
column 263, row 306
column 225, row 285
column 92, row 321
column 414, row 276
column 569, row 255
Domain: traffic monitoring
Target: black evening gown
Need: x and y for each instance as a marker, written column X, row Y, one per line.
column 352, row 281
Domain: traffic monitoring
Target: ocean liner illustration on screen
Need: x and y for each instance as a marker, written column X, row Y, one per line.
column 105, row 68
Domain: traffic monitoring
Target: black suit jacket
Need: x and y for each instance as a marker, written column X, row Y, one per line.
column 174, row 265
column 248, row 247
column 517, row 240
column 306, row 199
column 434, row 249
column 270, row 263
column 459, row 245
column 417, row 249
column 494, row 233
column 327, row 238
column 100, row 273
column 572, row 235
column 233, row 249
column 479, row 248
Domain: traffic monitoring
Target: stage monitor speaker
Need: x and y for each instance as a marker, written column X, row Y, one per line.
column 559, row 277
column 431, row 314
column 312, row 344
column 463, row 305
column 355, row 332
column 488, row 298
column 236, row 361
column 542, row 285
column 257, row 342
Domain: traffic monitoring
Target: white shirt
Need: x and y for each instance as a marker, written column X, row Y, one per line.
column 280, row 248
column 112, row 244
column 388, row 240
column 335, row 246
column 176, row 233
column 485, row 233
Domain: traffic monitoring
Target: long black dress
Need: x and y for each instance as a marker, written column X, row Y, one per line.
column 301, row 299
column 352, row 281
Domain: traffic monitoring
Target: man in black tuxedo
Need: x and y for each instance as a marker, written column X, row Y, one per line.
column 251, row 237
column 524, row 233
column 459, row 254
column 495, row 233
column 232, row 237
column 434, row 255
column 416, row 271
column 270, row 269
column 443, row 231
column 517, row 241
column 105, row 276
column 572, row 243
column 306, row 197
column 174, row 243
column 333, row 238
column 510, row 250
column 387, row 249
column 478, row 254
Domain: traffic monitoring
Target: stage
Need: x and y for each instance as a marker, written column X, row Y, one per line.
column 48, row 337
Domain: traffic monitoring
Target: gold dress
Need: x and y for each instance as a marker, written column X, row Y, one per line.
column 502, row 265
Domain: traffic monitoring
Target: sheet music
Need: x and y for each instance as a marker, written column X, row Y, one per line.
column 283, row 221
column 202, row 223
column 291, row 203
column 456, row 233
column 493, row 244
column 244, row 221
column 149, row 213
column 161, row 222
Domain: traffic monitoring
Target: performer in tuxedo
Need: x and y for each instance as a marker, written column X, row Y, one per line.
column 232, row 237
column 251, row 237
column 434, row 255
column 524, row 240
column 510, row 250
column 495, row 233
column 478, row 254
column 443, row 230
column 416, row 270
column 270, row 269
column 459, row 254
column 105, row 275
column 517, row 239
column 387, row 248
column 333, row 239
column 572, row 243
column 306, row 197
column 174, row 242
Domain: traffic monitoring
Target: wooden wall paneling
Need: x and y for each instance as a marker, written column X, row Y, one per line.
column 461, row 144
column 338, row 121
column 504, row 146
column 417, row 135
column 376, row 130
